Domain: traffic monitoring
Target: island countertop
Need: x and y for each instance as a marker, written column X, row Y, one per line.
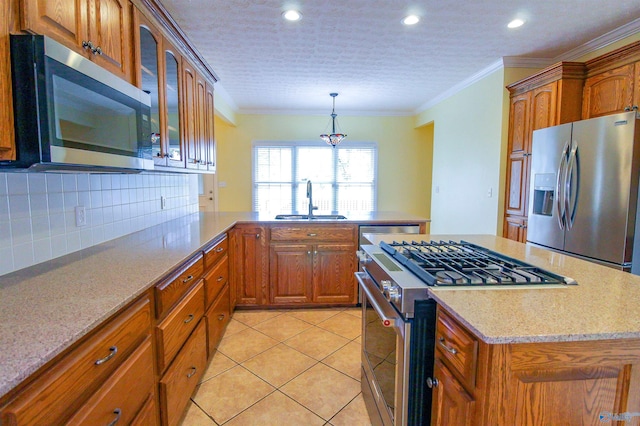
column 47, row 307
column 604, row 305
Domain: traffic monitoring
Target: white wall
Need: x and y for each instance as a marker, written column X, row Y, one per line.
column 37, row 210
column 467, row 142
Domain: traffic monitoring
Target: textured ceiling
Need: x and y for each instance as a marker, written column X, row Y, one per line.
column 360, row 49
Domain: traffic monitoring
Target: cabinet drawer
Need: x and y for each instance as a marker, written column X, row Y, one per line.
column 123, row 394
column 217, row 319
column 174, row 287
column 216, row 252
column 59, row 391
column 180, row 380
column 312, row 233
column 148, row 414
column 458, row 347
column 215, row 279
column 176, row 327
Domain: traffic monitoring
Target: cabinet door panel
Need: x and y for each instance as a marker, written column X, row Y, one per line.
column 290, row 271
column 519, row 123
column 201, row 123
column 63, row 20
column 452, row 405
column 210, row 140
column 543, row 107
column 110, row 30
column 517, row 181
column 250, row 272
column 609, row 92
column 333, row 279
column 190, row 115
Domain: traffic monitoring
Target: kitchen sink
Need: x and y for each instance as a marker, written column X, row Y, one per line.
column 313, row 217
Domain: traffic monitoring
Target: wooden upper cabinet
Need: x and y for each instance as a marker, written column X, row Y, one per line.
column 63, row 20
column 190, row 132
column 210, row 139
column 612, row 91
column 7, row 141
column 97, row 29
column 543, row 107
column 519, row 137
column 110, row 32
column 201, row 123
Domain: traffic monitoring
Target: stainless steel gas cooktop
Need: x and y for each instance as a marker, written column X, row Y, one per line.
column 465, row 264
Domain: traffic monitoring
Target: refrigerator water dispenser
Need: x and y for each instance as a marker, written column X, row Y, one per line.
column 543, row 193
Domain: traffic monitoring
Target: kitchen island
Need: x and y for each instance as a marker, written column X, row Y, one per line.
column 537, row 355
column 55, row 307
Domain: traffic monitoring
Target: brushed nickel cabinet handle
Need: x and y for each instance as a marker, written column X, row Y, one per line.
column 220, row 279
column 312, row 234
column 452, row 351
column 220, row 317
column 219, row 249
column 189, row 278
column 193, row 371
column 118, row 413
column 189, row 319
column 432, row 383
column 113, row 350
column 97, row 50
column 87, row 45
column 257, row 236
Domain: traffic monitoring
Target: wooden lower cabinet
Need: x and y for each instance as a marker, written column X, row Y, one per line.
column 515, row 228
column 59, row 391
column 333, row 273
column 182, row 377
column 148, row 414
column 218, row 316
column 546, row 383
column 291, row 273
column 122, row 396
column 452, row 405
column 249, row 272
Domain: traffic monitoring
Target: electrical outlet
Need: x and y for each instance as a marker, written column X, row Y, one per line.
column 81, row 216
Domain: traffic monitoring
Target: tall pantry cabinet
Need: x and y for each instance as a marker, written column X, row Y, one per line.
column 548, row 98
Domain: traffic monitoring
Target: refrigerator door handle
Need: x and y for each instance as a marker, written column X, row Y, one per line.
column 560, row 181
column 574, row 162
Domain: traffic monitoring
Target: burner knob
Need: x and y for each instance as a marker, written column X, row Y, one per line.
column 386, row 285
column 393, row 294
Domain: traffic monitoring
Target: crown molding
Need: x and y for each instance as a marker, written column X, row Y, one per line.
column 460, row 86
column 522, row 62
column 599, row 42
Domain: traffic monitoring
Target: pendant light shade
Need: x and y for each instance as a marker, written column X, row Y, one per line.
column 334, row 138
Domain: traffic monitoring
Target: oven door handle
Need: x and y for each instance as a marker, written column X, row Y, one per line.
column 383, row 308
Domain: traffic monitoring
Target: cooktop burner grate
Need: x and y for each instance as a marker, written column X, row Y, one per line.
column 466, row 264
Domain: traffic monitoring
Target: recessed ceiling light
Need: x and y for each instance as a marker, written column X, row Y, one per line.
column 411, row 20
column 515, row 23
column 292, row 15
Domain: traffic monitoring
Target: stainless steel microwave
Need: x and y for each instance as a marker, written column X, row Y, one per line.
column 72, row 114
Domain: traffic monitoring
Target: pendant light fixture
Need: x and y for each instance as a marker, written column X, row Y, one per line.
column 334, row 138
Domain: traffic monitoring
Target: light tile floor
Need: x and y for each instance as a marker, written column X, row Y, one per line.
column 286, row 367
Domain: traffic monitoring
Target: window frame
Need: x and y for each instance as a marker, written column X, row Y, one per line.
column 296, row 182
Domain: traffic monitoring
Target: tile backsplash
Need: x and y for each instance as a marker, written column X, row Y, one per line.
column 38, row 210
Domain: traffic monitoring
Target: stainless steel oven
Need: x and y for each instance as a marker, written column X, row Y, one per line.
column 397, row 350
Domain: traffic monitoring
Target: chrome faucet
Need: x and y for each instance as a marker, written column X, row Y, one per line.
column 310, row 197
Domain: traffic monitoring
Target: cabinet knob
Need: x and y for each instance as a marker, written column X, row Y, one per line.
column 118, row 413
column 87, row 45
column 97, row 51
column 432, row 383
column 631, row 108
column 257, row 236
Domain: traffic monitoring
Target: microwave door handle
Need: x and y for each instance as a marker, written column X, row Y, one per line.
column 572, row 186
column 559, row 186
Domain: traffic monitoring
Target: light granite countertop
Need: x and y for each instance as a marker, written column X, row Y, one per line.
column 47, row 307
column 604, row 305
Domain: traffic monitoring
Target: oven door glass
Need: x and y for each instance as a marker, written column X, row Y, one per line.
column 379, row 348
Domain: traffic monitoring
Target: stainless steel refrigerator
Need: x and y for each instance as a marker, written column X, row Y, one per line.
column 583, row 196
